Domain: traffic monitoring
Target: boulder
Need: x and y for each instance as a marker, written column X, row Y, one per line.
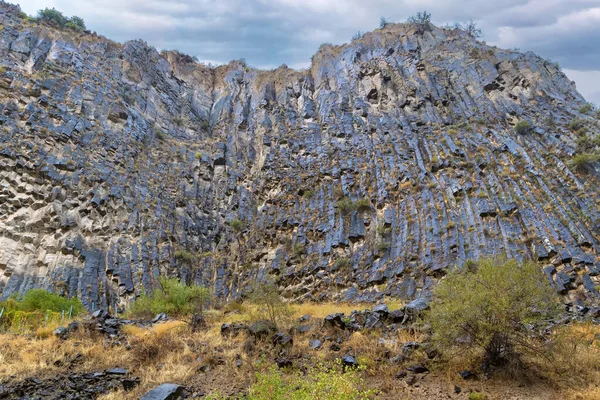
column 166, row 391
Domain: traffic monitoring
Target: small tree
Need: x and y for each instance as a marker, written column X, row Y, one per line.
column 270, row 305
column 472, row 29
column 357, row 36
column 54, row 16
column 171, row 297
column 421, row 18
column 488, row 305
column 76, row 23
column 383, row 22
column 523, row 127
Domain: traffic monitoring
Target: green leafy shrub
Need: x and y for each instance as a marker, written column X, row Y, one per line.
column 323, row 382
column 345, row 205
column 362, row 204
column 36, row 307
column 586, row 108
column 298, row 250
column 523, row 127
column 581, row 162
column 53, row 15
column 237, row 225
column 576, row 125
column 171, row 297
column 487, row 307
column 342, row 263
column 184, row 256
column 269, row 304
column 57, row 18
column 77, row 22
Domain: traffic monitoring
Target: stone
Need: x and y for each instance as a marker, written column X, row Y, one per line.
column 335, row 321
column 283, row 362
column 166, row 391
column 161, row 317
column 417, row 368
column 315, row 344
column 466, row 374
column 117, row 371
column 349, row 361
column 61, row 332
column 283, row 339
column 381, row 309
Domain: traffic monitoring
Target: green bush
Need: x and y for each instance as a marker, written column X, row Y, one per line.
column 35, row 307
column 576, row 124
column 523, row 127
column 77, row 22
column 237, row 225
column 581, row 162
column 323, row 382
column 362, row 204
column 488, row 306
column 345, row 205
column 171, row 297
column 270, row 305
column 184, row 256
column 586, row 108
column 56, row 17
column 53, row 15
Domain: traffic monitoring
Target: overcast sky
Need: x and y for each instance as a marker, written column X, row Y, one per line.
column 268, row 33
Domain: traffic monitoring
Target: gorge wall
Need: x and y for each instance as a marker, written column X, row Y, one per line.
column 368, row 175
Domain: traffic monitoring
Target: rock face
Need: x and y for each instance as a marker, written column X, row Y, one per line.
column 390, row 159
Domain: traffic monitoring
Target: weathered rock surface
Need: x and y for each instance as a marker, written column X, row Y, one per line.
column 116, row 159
column 71, row 386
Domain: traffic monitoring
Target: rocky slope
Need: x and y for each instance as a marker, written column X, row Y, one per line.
column 389, row 160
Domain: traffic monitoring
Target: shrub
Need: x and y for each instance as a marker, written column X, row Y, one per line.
column 358, row 35
column 471, row 28
column 184, row 256
column 576, row 124
column 54, row 16
column 383, row 22
column 342, row 263
column 270, row 305
column 523, row 127
column 345, row 205
column 586, row 108
column 298, row 250
column 171, row 297
column 323, row 382
column 581, row 162
column 77, row 22
column 363, row 204
column 237, row 225
column 487, row 307
column 421, row 18
column 36, row 307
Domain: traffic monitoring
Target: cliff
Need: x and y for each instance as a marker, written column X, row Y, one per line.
column 391, row 159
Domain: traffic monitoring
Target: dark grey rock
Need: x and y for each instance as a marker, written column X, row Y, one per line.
column 166, row 391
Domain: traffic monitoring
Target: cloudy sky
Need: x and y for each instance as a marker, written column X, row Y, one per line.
column 268, row 33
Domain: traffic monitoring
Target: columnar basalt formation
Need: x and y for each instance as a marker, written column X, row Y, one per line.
column 391, row 159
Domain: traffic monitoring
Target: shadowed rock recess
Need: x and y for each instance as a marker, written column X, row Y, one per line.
column 367, row 175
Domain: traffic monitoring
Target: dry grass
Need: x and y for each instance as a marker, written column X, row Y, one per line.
column 170, row 352
column 244, row 312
